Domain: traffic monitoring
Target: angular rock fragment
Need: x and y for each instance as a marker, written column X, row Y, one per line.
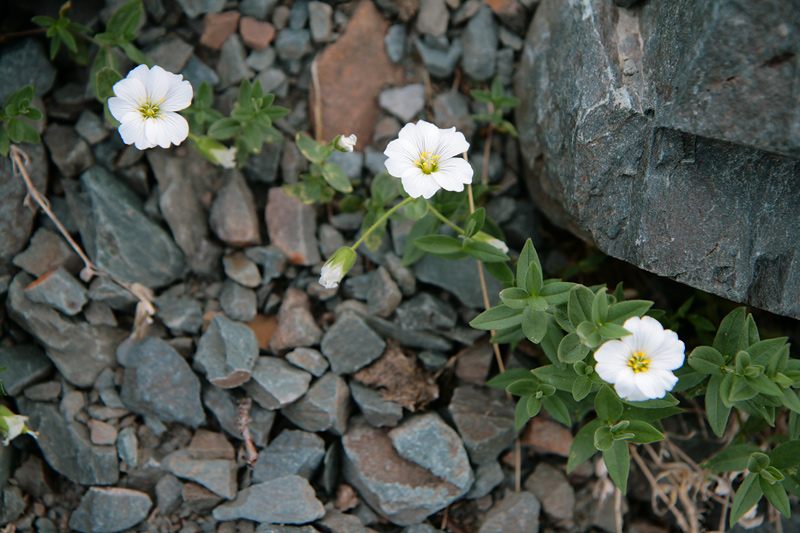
column 346, row 356
column 241, row 269
column 287, row 500
column 485, row 420
column 275, row 383
column 207, row 461
column 291, row 452
column 225, row 407
column 517, row 512
column 233, row 213
column 181, row 314
column 377, row 410
column 238, row 302
column 553, row 490
column 325, row 407
column 292, row 226
column 109, row 510
column 308, row 359
column 59, row 290
column 24, row 364
column 296, row 325
column 47, row 251
column 227, row 352
column 16, row 218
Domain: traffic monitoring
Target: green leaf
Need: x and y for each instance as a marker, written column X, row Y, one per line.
column 125, row 20
column 106, row 79
column 622, row 311
column 68, row 40
column 383, row 190
column 552, row 340
column 785, row 455
column 336, row 178
column 581, row 387
column 560, row 377
column 33, row 114
column 734, row 458
column 534, row 324
column 510, row 335
column 508, row 101
column 557, row 410
column 475, row 222
column 732, row 334
column 716, row 411
column 524, row 387
column 583, row 447
column 515, row 297
column 600, row 307
column 649, row 415
column 501, row 381
column 607, row 405
column 521, row 415
column 416, row 208
column 20, row 131
column 481, row 96
column 424, row 226
column 762, row 352
column 588, row 334
column 483, row 251
column 747, row 495
column 438, row 244
column 579, row 307
column 55, row 44
column 275, row 112
column 603, row 438
column 533, row 405
column 618, row 463
column 764, row 385
column 204, row 96
column 613, row 331
column 656, row 403
column 707, row 360
column 790, row 400
column 741, row 390
column 311, row 149
column 644, row 433
column 499, row 317
column 5, row 143
column 776, row 495
column 571, row 349
column 556, row 292
column 43, row 21
column 533, row 281
column 224, row 128
column 501, row 271
column 527, row 256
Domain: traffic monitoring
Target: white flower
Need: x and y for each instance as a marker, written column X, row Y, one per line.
column 145, row 104
column 336, row 267
column 640, row 365
column 424, row 157
column 226, row 158
column 346, row 144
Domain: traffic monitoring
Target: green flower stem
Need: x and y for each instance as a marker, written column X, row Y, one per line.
column 194, row 137
column 444, row 219
column 380, row 221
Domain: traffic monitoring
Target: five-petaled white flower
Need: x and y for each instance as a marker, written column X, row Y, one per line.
column 346, row 144
column 145, row 104
column 424, row 157
column 640, row 365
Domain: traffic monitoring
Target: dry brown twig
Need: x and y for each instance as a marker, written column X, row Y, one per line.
column 242, row 420
column 145, row 310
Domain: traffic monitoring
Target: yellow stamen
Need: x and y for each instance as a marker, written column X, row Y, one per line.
column 149, row 109
column 639, row 362
column 428, row 162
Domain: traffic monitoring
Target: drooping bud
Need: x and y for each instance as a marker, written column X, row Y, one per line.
column 336, row 267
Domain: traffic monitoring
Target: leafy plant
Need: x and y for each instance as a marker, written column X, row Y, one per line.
column 12, row 127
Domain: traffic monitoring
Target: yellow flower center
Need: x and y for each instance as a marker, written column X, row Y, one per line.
column 149, row 109
column 639, row 362
column 428, row 162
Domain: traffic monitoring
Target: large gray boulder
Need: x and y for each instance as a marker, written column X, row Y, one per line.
column 669, row 135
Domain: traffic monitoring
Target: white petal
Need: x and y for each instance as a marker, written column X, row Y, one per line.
column 416, row 183
column 132, row 131
column 179, row 97
column 131, row 90
column 453, row 174
column 614, row 351
column 451, row 143
column 170, row 128
column 120, row 107
column 626, row 387
column 158, row 84
column 655, row 383
column 141, row 73
column 429, row 135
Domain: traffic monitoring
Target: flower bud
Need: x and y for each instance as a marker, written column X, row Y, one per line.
column 488, row 239
column 216, row 152
column 345, row 144
column 13, row 425
column 336, row 267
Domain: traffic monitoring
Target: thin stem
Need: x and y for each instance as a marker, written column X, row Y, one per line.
column 317, row 101
column 378, row 222
column 487, row 151
column 444, row 219
column 194, row 137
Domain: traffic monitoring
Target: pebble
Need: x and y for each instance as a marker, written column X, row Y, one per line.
column 293, row 43
column 547, row 436
column 296, row 325
column 224, row 405
column 292, row 227
column 16, row 219
column 275, row 383
column 306, row 358
column 325, row 407
column 270, row 258
column 102, row 433
column 517, row 512
column 25, row 364
column 383, row 295
column 193, row 8
column 216, row 474
column 196, row 72
column 465, row 12
column 553, row 490
column 474, row 363
column 480, row 45
column 198, row 499
column 59, row 290
column 403, row 275
column 298, row 15
column 352, row 163
column 439, row 63
column 487, row 477
column 395, row 42
column 426, row 312
column 408, row 338
column 217, row 27
column 280, row 17
column 292, row 501
column 158, row 382
column 168, row 494
column 404, row 102
column 320, row 22
column 227, row 352
column 273, row 80
column 256, row 35
column 232, row 67
column 47, row 251
column 182, row 314
column 451, row 110
column 23, row 64
column 241, row 269
column 108, row 510
column 170, row 54
column 258, row 9
column 71, row 154
column 49, row 391
column 460, row 278
column 344, row 355
column 91, row 127
column 292, row 452
column 485, row 419
column 259, row 60
column 128, row 447
column 238, row 303
column 432, row 17
column 378, row 411
column 233, row 213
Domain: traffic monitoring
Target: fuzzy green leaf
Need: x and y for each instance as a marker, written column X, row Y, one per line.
column 716, row 411
column 583, row 447
column 501, row 381
column 534, row 324
column 732, row 335
column 622, row 311
column 607, row 405
column 438, row 244
column 618, row 463
column 499, row 317
column 336, row 178
column 571, row 349
column 424, row 226
column 747, row 495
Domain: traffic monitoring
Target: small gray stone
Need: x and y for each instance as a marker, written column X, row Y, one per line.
column 109, row 510
column 292, row 227
column 374, row 160
column 296, row 325
column 225, row 407
column 241, row 269
column 168, row 494
column 320, row 22
column 273, row 80
column 465, row 12
column 258, row 9
column 25, row 64
column 47, row 251
column 292, row 501
column 510, row 39
column 427, row 441
column 25, row 364
column 395, row 42
column 403, row 275
column 71, row 154
column 232, row 67
column 351, row 162
column 451, row 110
column 420, row 528
column 298, row 15
column 325, row 407
column 439, row 63
column 432, row 17
column 259, row 60
column 293, row 43
column 233, row 213
column 91, row 127
column 102, row 433
column 308, row 359
column 158, row 382
column 480, row 45
column 100, row 314
column 383, row 295
column 217, row 475
column 49, row 391
column 238, row 303
column 377, row 410
column 274, row 528
column 227, row 352
column 128, row 446
column 408, row 338
column 495, row 170
column 16, row 218
column 358, row 286
column 275, row 383
column 553, row 490
column 292, row 452
column 263, row 166
column 330, row 240
column 336, row 521
column 280, row 17
column 13, row 504
column 487, row 477
column 170, row 54
column 404, row 102
column 112, row 294
column 432, row 361
column 426, row 312
column 181, row 314
column 459, row 278
column 517, row 512
column 59, row 290
column 271, row 260
column 346, row 356
column 484, row 419
column 193, row 8
column 196, row 72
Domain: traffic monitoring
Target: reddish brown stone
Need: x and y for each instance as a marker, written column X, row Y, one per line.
column 350, row 80
column 547, row 436
column 256, row 34
column 217, row 27
column 210, row 445
column 263, row 327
